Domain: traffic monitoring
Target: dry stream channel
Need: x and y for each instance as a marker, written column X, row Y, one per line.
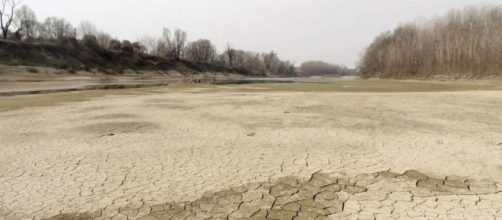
column 342, row 149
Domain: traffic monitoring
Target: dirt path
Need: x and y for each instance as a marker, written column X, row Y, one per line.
column 144, row 153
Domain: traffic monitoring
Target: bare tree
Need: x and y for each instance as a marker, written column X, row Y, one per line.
column 57, row 28
column 104, row 39
column 87, row 28
column 149, row 43
column 240, row 60
column 254, row 63
column 230, row 53
column 286, row 68
column 161, row 48
column 201, row 51
column 175, row 44
column 7, row 15
column 180, row 38
column 271, row 61
column 26, row 21
column 138, row 47
column 220, row 60
column 464, row 43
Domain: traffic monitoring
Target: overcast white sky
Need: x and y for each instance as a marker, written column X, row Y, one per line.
column 335, row 31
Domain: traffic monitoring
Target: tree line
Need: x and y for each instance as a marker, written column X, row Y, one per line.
column 317, row 68
column 464, row 43
column 20, row 23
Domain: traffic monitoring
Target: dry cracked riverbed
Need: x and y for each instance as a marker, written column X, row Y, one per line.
column 316, row 151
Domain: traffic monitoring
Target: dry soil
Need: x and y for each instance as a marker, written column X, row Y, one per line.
column 353, row 149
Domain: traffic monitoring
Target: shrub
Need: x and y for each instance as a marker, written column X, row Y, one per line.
column 115, row 45
column 90, row 41
column 127, row 46
column 32, row 70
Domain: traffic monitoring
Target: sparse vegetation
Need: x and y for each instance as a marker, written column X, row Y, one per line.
column 56, row 42
column 32, row 70
column 463, row 44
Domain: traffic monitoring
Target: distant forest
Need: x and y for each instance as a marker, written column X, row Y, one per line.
column 463, row 44
column 320, row 68
column 20, row 24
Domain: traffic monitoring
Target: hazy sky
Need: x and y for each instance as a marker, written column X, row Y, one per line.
column 335, row 31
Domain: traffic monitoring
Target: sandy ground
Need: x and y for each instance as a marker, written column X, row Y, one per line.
column 353, row 150
column 24, row 80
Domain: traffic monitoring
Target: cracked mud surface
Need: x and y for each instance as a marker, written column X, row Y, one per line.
column 219, row 151
column 381, row 195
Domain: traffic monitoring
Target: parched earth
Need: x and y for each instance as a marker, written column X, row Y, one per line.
column 259, row 152
column 383, row 195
